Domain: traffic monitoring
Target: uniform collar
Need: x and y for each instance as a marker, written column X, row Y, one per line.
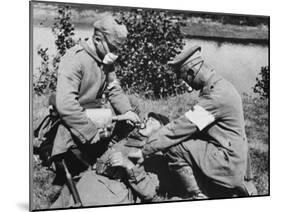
column 89, row 47
column 210, row 83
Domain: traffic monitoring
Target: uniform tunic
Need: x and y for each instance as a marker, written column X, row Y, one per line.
column 113, row 185
column 211, row 134
column 145, row 184
column 81, row 81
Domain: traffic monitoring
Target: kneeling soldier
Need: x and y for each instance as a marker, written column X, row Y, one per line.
column 209, row 139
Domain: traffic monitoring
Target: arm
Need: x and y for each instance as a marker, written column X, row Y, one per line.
column 143, row 183
column 195, row 120
column 173, row 133
column 68, row 106
column 116, row 96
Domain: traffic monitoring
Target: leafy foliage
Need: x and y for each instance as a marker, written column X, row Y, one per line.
column 154, row 38
column 262, row 83
column 63, row 31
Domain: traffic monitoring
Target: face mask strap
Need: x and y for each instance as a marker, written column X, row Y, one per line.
column 198, row 69
column 193, row 63
column 103, row 41
column 106, row 44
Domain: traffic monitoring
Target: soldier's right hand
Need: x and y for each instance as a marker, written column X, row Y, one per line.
column 129, row 116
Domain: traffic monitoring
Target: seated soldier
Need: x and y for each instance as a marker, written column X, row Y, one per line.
column 117, row 179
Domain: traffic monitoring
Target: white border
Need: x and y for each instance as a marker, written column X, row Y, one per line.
column 14, row 103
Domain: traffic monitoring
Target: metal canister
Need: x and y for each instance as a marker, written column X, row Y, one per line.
column 102, row 117
column 140, row 125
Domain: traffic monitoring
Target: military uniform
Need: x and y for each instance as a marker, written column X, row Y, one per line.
column 108, row 185
column 84, row 73
column 81, row 83
column 210, row 136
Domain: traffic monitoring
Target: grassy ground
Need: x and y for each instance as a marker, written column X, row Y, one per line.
column 257, row 130
column 256, row 117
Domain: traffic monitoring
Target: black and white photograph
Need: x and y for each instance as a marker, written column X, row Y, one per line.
column 137, row 105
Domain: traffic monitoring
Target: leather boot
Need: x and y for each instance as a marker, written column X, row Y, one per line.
column 192, row 190
column 247, row 189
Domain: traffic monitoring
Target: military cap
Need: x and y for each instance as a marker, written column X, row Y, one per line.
column 185, row 57
column 114, row 32
column 159, row 117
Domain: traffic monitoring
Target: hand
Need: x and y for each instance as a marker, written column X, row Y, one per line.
column 137, row 156
column 118, row 159
column 96, row 138
column 102, row 134
column 105, row 133
column 129, row 116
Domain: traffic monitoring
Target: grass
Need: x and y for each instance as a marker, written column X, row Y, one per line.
column 257, row 130
column 256, row 119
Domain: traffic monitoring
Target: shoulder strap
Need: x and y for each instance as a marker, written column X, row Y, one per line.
column 37, row 130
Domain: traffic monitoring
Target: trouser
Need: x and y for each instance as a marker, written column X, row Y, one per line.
column 180, row 157
column 180, row 162
column 77, row 160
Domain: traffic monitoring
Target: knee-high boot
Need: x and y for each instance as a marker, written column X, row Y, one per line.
column 190, row 184
column 248, row 187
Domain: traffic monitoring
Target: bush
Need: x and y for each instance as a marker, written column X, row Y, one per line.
column 153, row 39
column 262, row 83
column 63, row 31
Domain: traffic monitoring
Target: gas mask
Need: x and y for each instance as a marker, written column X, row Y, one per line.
column 187, row 65
column 103, row 50
column 186, row 77
column 109, row 58
column 189, row 71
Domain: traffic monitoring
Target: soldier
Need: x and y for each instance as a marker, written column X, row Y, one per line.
column 208, row 143
column 85, row 72
column 117, row 179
